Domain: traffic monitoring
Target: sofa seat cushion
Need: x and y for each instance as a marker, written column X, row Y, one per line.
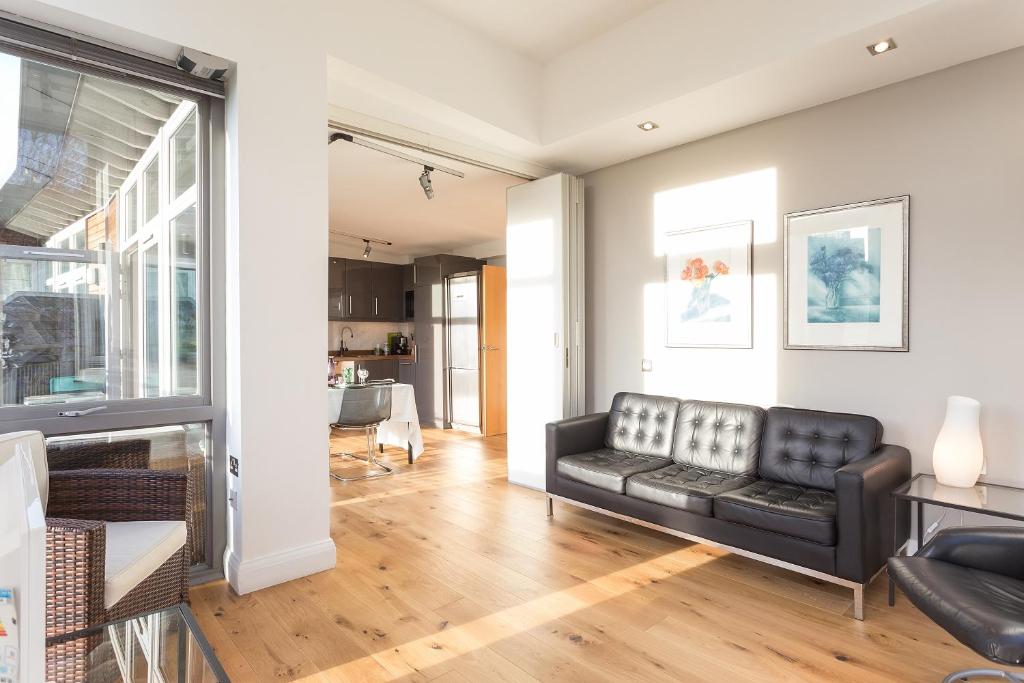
column 684, row 487
column 606, row 468
column 134, row 551
column 787, row 509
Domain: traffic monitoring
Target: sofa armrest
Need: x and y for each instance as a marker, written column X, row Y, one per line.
column 865, row 510
column 573, row 435
column 119, row 495
column 996, row 549
column 75, row 568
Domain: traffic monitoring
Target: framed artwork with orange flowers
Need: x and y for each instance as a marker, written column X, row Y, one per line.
column 847, row 277
column 708, row 286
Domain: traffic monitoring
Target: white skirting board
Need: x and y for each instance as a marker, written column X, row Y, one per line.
column 247, row 576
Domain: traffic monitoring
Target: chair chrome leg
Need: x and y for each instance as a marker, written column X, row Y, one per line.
column 370, row 459
column 967, row 674
column 551, row 507
column 858, row 602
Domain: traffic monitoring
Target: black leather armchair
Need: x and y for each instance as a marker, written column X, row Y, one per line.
column 970, row 581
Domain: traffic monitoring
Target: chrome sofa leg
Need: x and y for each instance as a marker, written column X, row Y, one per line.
column 858, row 602
column 968, row 674
column 551, row 506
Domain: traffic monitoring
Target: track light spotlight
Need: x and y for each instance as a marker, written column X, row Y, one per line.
column 366, row 249
column 428, row 188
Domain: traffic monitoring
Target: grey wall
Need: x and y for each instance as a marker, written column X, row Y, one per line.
column 953, row 140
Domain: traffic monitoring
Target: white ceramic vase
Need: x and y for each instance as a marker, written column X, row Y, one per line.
column 959, row 457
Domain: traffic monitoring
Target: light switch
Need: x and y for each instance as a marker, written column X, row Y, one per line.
column 647, row 365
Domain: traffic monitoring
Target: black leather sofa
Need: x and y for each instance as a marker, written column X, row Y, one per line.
column 803, row 489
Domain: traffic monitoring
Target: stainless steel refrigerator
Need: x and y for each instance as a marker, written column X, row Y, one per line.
column 463, row 323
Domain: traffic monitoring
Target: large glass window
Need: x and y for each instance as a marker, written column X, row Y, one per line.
column 102, row 268
column 183, row 157
column 184, row 302
column 151, row 182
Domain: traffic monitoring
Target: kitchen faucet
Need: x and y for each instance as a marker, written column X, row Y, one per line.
column 351, row 334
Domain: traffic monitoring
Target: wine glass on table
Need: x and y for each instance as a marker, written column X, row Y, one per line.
column 362, row 374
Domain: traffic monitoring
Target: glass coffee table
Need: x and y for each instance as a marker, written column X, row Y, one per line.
column 995, row 500
column 162, row 647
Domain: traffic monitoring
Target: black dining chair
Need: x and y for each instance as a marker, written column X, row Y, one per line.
column 364, row 406
column 970, row 581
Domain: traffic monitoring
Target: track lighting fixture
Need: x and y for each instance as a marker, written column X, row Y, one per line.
column 366, row 249
column 428, row 188
column 425, row 183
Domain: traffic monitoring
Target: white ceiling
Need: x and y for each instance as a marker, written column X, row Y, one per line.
column 593, row 70
column 540, row 29
column 376, row 195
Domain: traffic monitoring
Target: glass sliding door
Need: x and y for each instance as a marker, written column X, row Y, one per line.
column 105, row 273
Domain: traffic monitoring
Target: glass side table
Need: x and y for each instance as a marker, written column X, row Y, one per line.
column 165, row 646
column 995, row 500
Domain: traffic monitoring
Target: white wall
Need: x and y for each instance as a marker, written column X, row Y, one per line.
column 953, row 140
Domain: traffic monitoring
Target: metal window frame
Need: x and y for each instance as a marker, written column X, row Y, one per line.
column 64, row 48
column 208, row 406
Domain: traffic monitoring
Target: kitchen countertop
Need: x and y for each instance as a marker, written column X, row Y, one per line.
column 371, row 356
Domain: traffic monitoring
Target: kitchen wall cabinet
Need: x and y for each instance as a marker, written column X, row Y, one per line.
column 337, row 303
column 363, row 291
column 387, row 292
column 359, row 286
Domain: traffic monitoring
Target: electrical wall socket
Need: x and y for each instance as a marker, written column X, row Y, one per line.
column 647, row 365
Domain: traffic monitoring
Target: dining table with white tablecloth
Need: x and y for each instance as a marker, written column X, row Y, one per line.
column 402, row 429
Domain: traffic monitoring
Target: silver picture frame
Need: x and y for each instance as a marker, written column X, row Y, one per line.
column 904, row 279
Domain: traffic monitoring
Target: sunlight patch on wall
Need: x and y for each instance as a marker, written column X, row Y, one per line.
column 731, row 375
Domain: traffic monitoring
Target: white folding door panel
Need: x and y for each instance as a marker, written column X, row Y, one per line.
column 543, row 246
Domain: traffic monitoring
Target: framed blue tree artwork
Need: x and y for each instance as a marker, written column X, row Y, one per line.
column 847, row 277
column 708, row 286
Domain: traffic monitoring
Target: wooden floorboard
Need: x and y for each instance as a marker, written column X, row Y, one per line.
column 448, row 573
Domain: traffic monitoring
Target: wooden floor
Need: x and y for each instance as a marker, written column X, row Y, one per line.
column 448, row 573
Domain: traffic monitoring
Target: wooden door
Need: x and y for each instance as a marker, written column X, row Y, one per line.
column 493, row 389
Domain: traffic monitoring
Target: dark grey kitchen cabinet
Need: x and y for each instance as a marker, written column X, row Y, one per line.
column 379, row 369
column 427, row 271
column 407, row 372
column 337, row 303
column 364, row 290
column 408, row 277
column 359, row 289
column 387, row 292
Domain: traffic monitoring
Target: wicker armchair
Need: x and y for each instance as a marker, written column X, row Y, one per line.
column 130, row 454
column 81, row 504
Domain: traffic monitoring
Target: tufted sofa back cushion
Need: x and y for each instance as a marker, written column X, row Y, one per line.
column 718, row 436
column 642, row 424
column 806, row 447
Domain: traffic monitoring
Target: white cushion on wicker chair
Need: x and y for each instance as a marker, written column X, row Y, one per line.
column 134, row 551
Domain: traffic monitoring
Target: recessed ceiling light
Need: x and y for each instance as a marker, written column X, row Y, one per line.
column 881, row 46
column 647, row 125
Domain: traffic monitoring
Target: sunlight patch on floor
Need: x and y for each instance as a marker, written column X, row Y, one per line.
column 460, row 640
